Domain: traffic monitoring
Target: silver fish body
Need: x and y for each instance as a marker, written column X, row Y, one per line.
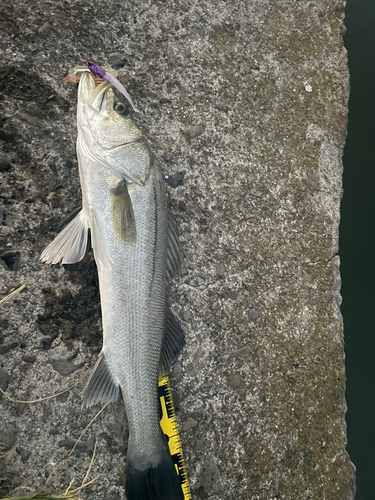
column 124, row 205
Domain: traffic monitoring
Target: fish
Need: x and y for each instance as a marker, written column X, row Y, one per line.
column 137, row 251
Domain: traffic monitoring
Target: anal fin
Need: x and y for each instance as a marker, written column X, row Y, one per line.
column 70, row 244
column 100, row 387
column 174, row 341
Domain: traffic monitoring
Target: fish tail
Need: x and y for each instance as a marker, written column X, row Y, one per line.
column 154, row 482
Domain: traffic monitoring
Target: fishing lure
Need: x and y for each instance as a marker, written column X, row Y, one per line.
column 97, row 71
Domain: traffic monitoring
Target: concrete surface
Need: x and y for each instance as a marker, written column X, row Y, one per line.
column 250, row 100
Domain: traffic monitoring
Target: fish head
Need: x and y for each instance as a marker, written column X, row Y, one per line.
column 107, row 132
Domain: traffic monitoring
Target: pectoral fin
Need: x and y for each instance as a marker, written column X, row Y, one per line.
column 70, row 244
column 122, row 215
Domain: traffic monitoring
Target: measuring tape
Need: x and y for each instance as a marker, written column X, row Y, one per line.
column 168, row 423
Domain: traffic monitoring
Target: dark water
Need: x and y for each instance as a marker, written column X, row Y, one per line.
column 357, row 244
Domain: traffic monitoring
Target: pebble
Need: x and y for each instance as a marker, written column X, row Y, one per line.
column 8, row 435
column 68, row 163
column 189, row 424
column 4, row 381
column 195, row 131
column 253, row 315
column 175, row 180
column 117, row 60
column 29, row 358
column 65, row 366
column 25, row 455
column 4, row 165
column 8, row 346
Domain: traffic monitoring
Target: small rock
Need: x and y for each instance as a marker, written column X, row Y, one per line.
column 4, row 136
column 4, row 165
column 64, row 366
column 164, row 100
column 4, row 381
column 25, row 455
column 253, row 315
column 29, row 358
column 195, row 131
column 68, row 163
column 175, row 180
column 12, row 260
column 117, row 60
column 8, row 346
column 189, row 424
column 8, row 435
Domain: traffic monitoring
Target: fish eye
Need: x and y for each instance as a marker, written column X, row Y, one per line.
column 121, row 109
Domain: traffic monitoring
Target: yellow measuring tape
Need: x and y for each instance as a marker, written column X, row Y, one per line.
column 168, row 423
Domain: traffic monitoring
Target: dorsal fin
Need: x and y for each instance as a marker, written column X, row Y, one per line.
column 175, row 255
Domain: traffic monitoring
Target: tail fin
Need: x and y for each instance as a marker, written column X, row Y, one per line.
column 159, row 482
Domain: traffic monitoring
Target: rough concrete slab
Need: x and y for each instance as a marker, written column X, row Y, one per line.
column 250, row 100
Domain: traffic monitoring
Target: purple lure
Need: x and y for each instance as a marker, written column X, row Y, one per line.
column 102, row 73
